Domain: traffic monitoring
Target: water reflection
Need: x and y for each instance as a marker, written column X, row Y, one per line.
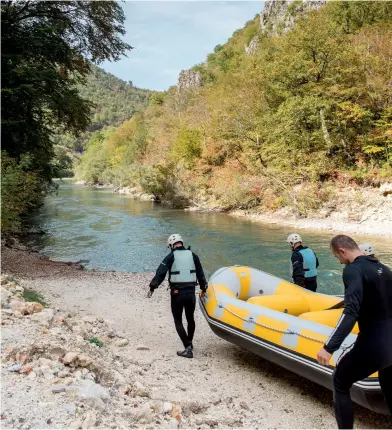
column 118, row 233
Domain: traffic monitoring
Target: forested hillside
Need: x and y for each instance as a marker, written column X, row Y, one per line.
column 113, row 102
column 278, row 116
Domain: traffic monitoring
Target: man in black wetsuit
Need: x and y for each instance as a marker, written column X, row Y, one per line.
column 185, row 272
column 368, row 300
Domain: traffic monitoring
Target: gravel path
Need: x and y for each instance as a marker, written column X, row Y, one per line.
column 232, row 387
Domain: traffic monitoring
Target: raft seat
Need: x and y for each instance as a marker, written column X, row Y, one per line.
column 293, row 305
column 329, row 318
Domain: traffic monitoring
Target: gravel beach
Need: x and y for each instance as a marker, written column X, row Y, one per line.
column 224, row 386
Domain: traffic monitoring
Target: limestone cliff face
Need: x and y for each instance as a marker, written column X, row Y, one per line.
column 251, row 48
column 189, row 79
column 279, row 16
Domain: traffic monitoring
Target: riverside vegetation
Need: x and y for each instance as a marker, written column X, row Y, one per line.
column 276, row 117
column 281, row 116
column 48, row 52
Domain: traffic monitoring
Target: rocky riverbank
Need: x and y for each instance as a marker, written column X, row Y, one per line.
column 100, row 354
column 351, row 210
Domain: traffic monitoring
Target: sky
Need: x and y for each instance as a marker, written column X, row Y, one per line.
column 171, row 36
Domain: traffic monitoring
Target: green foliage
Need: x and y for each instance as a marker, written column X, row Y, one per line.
column 33, row 296
column 46, row 53
column 309, row 107
column 187, row 146
column 157, row 99
column 353, row 15
column 96, row 341
column 155, row 180
column 21, row 191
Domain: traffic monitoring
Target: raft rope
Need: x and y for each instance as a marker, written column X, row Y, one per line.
column 286, row 331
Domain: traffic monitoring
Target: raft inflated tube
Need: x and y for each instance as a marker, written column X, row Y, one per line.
column 281, row 322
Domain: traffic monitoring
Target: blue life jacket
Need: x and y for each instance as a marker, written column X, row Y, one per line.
column 309, row 263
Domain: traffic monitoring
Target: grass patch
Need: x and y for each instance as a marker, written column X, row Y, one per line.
column 96, row 341
column 33, row 296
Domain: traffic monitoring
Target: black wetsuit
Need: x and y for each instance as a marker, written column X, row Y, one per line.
column 182, row 295
column 368, row 300
column 297, row 263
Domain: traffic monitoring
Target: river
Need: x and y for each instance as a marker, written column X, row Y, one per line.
column 115, row 232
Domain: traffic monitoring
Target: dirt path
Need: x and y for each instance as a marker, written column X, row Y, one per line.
column 232, row 387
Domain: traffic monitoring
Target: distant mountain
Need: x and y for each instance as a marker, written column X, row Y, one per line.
column 116, row 100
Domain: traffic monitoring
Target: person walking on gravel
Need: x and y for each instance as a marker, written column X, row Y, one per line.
column 185, row 272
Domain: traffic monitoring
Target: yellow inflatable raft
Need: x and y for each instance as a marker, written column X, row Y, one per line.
column 282, row 322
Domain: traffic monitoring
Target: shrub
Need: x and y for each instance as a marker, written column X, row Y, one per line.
column 21, row 191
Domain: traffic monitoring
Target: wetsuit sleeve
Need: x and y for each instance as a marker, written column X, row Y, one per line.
column 317, row 262
column 201, row 279
column 161, row 272
column 353, row 295
column 298, row 268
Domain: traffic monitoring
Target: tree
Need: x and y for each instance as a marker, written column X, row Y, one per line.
column 46, row 51
column 47, row 48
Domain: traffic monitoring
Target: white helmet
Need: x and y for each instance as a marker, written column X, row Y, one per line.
column 367, row 248
column 174, row 238
column 293, row 238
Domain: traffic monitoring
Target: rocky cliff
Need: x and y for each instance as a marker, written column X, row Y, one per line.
column 279, row 16
column 189, row 79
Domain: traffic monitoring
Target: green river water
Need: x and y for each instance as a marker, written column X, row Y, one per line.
column 118, row 233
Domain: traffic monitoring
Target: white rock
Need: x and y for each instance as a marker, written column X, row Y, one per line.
column 91, row 375
column 84, row 360
column 71, row 408
column 90, row 420
column 118, row 378
column 141, row 390
column 76, row 424
column 171, row 424
column 91, row 393
column 5, row 296
column 32, row 375
column 145, row 413
column 121, row 342
column 46, row 362
column 167, row 407
column 78, row 375
column 158, row 406
column 44, row 317
column 63, row 373
column 70, row 357
column 14, row 368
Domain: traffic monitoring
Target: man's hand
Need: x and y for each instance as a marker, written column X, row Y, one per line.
column 203, row 295
column 323, row 357
column 149, row 294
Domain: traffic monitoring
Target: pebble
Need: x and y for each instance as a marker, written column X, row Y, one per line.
column 84, row 360
column 142, row 348
column 76, row 424
column 70, row 357
column 14, row 368
column 26, row 369
column 59, row 388
column 167, row 407
column 63, row 373
column 145, row 413
column 78, row 375
column 32, row 375
column 90, row 420
column 121, row 342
